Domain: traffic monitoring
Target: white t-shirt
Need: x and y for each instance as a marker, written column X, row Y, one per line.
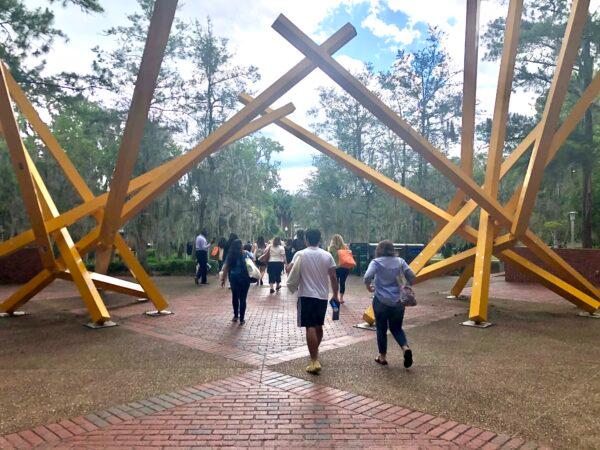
column 314, row 272
column 277, row 254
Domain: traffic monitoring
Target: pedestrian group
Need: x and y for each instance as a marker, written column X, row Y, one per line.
column 312, row 271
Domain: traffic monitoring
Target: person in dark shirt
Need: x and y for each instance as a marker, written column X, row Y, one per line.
column 299, row 242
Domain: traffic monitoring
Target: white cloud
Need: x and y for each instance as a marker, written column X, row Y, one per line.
column 292, row 178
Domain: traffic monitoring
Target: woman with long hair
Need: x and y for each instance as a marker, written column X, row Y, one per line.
column 381, row 278
column 277, row 260
column 235, row 269
column 260, row 248
column 336, row 244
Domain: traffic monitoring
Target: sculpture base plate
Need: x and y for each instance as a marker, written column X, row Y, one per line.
column 6, row 315
column 365, row 326
column 472, row 323
column 164, row 312
column 595, row 315
column 97, row 326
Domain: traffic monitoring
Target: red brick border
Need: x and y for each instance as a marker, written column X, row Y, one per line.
column 439, row 428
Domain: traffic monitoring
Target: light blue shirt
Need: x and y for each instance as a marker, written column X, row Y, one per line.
column 385, row 270
column 201, row 243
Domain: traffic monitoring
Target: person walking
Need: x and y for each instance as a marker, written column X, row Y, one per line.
column 317, row 269
column 232, row 237
column 221, row 257
column 336, row 244
column 276, row 264
column 299, row 243
column 381, row 278
column 202, row 246
column 260, row 248
column 235, row 269
column 289, row 250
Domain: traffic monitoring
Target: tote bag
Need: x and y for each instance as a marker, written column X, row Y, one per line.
column 346, row 260
column 293, row 278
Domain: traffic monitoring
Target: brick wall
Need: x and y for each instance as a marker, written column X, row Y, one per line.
column 20, row 266
column 585, row 260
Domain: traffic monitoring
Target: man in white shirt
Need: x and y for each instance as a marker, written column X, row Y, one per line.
column 202, row 257
column 316, row 267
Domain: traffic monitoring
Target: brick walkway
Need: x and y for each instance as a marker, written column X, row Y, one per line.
column 261, row 407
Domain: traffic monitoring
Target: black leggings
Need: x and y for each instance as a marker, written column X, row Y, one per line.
column 239, row 292
column 342, row 273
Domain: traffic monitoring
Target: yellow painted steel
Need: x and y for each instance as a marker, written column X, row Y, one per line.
column 462, row 281
column 112, row 210
column 485, row 237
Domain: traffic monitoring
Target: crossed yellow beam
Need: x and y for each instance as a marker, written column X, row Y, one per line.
column 114, row 209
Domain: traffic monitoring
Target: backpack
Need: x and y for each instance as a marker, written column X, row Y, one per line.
column 239, row 272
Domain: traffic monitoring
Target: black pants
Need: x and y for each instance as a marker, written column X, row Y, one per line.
column 202, row 259
column 274, row 269
column 391, row 316
column 342, row 274
column 239, row 293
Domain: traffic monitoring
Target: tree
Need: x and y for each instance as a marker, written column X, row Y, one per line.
column 26, row 36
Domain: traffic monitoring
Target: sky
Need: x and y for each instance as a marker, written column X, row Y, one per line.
column 383, row 27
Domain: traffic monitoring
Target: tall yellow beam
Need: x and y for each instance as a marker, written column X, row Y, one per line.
column 469, row 99
column 550, row 116
column 485, row 236
column 19, row 162
column 156, row 42
column 469, row 103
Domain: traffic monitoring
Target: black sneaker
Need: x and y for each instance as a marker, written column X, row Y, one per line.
column 408, row 360
column 242, row 322
column 235, row 319
column 271, row 291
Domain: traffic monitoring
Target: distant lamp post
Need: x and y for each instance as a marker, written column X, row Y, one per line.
column 572, row 215
column 286, row 232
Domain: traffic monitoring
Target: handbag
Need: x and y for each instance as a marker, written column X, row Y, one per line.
column 214, row 253
column 293, row 278
column 345, row 258
column 407, row 295
column 265, row 257
column 253, row 271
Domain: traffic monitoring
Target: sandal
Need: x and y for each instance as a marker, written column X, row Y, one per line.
column 382, row 362
column 408, row 360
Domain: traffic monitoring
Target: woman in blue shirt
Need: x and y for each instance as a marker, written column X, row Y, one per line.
column 389, row 311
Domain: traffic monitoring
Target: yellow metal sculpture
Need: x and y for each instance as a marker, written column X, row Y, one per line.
column 500, row 226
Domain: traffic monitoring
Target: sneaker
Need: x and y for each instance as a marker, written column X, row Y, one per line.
column 271, row 291
column 205, row 283
column 235, row 319
column 408, row 360
column 278, row 287
column 196, row 281
column 314, row 367
column 242, row 322
column 261, row 282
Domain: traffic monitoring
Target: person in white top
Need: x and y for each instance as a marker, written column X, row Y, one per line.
column 317, row 270
column 276, row 263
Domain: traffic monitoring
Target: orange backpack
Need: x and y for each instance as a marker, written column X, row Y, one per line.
column 214, row 253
